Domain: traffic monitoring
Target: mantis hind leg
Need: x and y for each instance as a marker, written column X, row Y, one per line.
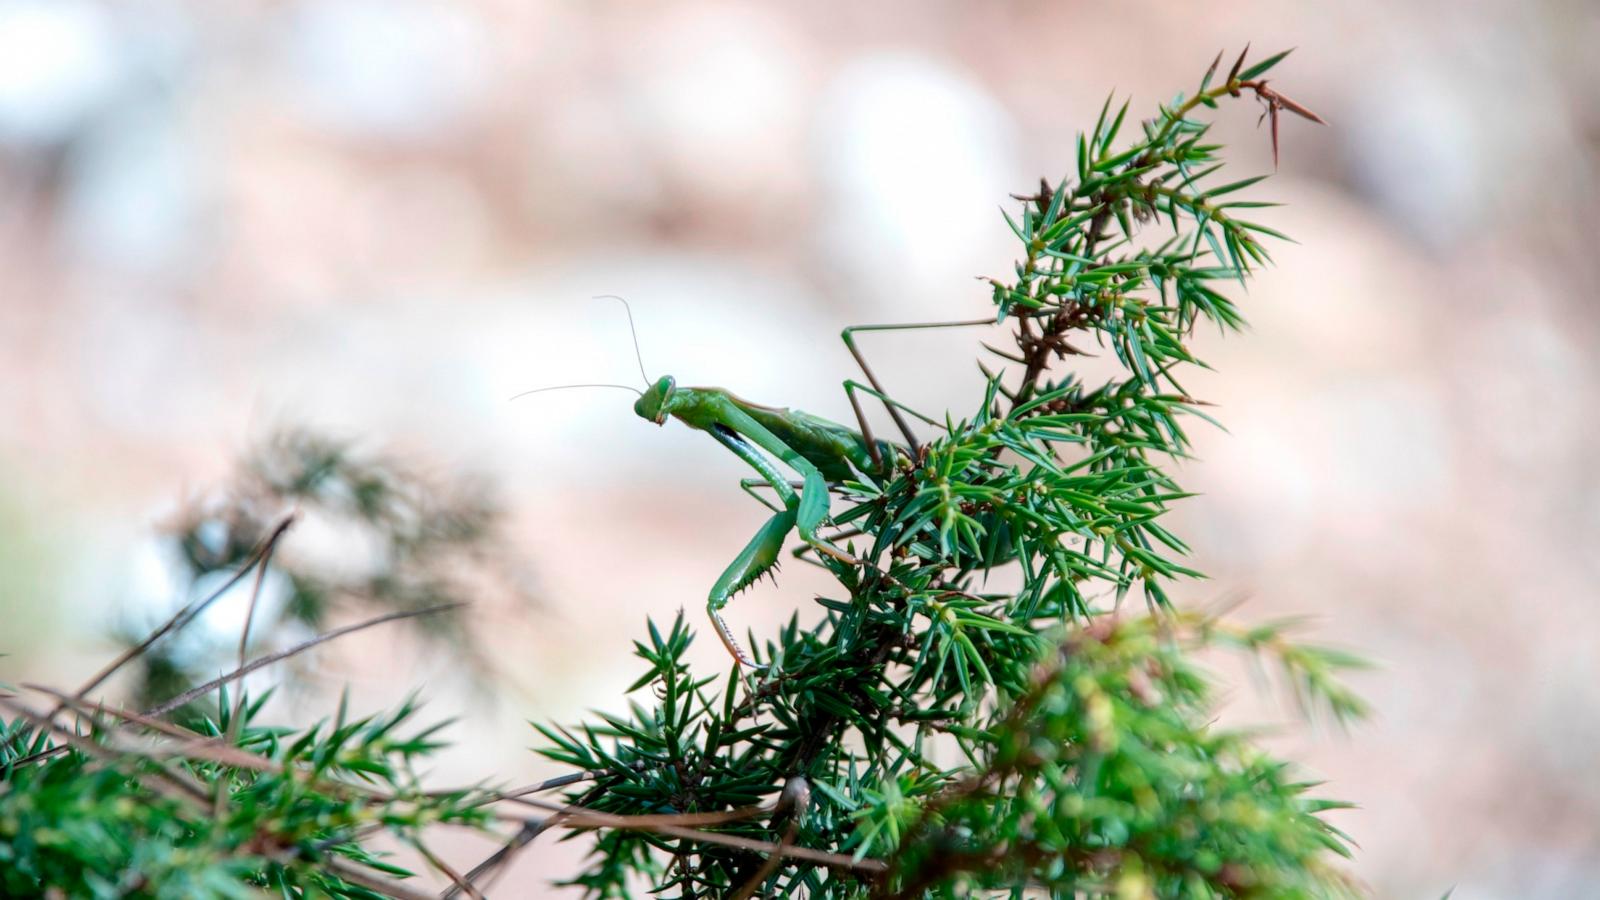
column 877, row 390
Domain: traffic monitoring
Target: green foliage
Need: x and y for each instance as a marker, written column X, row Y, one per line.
column 1103, row 778
column 210, row 816
column 964, row 742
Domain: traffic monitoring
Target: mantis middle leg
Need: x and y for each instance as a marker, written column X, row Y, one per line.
column 749, row 485
column 877, row 390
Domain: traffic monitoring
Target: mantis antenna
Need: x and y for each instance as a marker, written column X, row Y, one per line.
column 563, row 387
column 631, row 330
column 637, row 355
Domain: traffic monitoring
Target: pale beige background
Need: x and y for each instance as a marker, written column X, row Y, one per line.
column 384, row 216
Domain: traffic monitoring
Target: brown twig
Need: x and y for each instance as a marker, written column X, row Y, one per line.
column 172, row 785
column 793, row 803
column 447, row 870
column 349, row 872
column 184, row 615
column 244, row 645
column 502, row 857
column 546, row 785
column 67, row 701
column 244, row 635
column 577, row 817
column 271, row 658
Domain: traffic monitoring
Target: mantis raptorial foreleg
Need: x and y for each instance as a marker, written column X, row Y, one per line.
column 761, row 554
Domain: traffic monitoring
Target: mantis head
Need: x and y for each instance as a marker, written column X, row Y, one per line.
column 655, row 404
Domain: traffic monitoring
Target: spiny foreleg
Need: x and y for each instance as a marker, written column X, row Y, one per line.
column 759, row 557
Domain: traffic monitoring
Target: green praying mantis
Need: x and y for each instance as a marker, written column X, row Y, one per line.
column 821, row 452
column 818, row 450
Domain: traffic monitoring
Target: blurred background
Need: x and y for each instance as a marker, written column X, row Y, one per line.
column 378, row 219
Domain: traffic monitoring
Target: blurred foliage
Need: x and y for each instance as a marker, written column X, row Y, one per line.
column 231, row 809
column 1045, row 741
column 404, row 542
column 192, row 799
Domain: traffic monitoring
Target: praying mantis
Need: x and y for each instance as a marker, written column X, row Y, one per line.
column 821, row 452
